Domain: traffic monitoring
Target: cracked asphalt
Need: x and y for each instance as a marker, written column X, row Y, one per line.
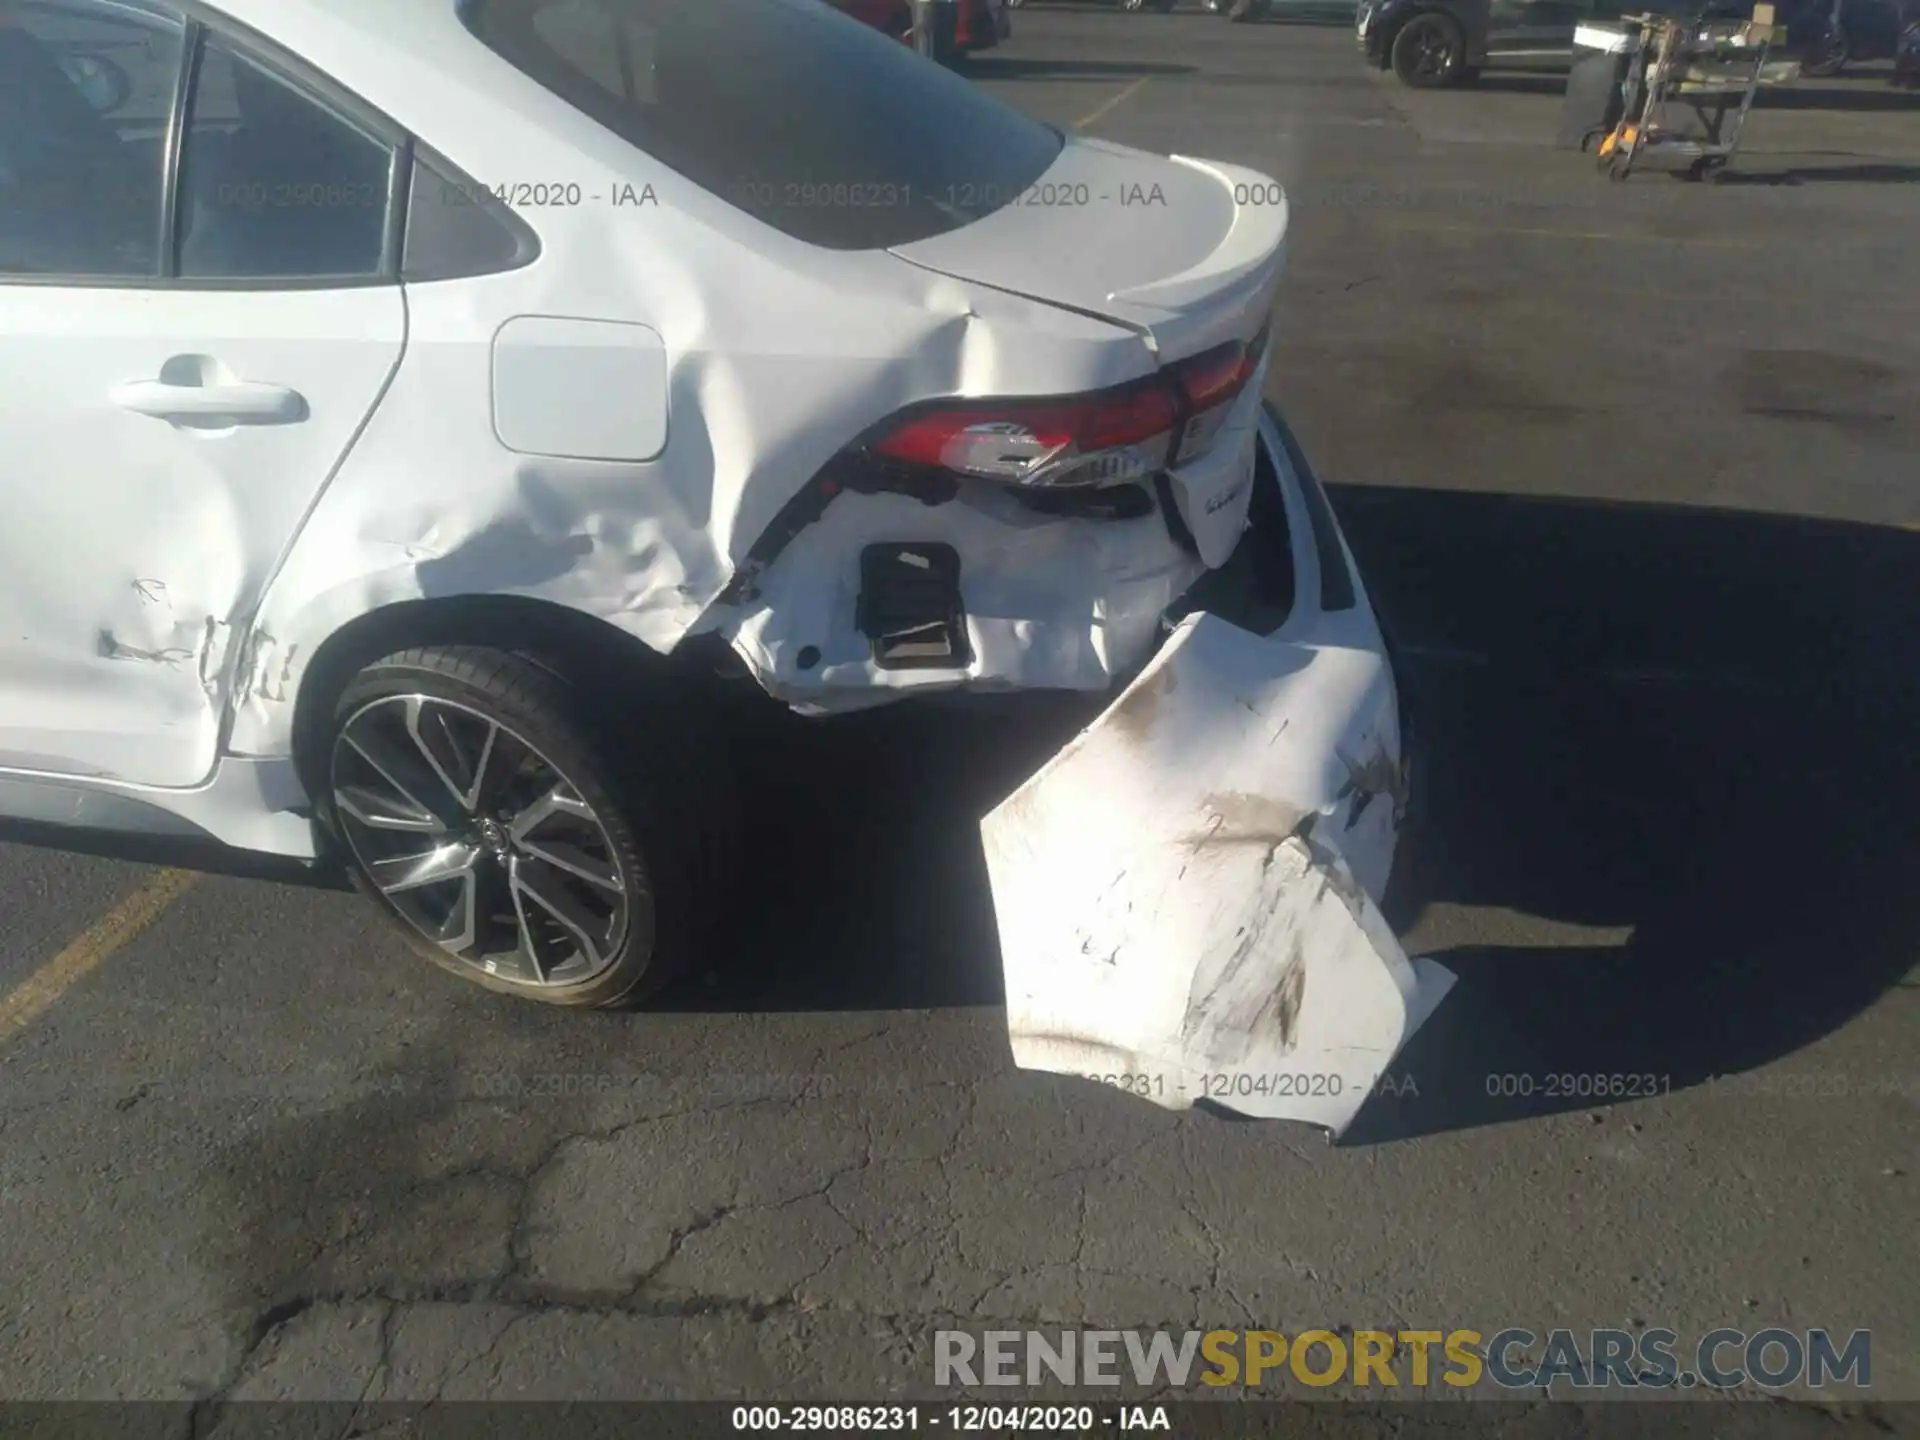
column 1633, row 465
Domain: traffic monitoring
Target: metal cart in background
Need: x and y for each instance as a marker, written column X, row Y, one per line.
column 1715, row 68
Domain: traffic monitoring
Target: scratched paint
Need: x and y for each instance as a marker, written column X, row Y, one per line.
column 1242, row 959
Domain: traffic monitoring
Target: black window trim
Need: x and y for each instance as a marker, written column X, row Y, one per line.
column 199, row 22
column 173, row 149
column 423, row 158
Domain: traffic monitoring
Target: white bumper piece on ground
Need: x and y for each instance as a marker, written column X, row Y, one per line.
column 1183, row 892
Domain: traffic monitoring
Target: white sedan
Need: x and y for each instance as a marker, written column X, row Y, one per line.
column 406, row 404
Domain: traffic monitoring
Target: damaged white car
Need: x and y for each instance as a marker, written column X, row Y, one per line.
column 403, row 401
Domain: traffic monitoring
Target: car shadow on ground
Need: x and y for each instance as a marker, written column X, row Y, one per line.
column 1689, row 725
column 1858, row 93
column 1329, row 18
column 1693, row 727
column 183, row 852
column 1517, row 82
column 1824, row 174
column 997, row 67
column 1828, row 94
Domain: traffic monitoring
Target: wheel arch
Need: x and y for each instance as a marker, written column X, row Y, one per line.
column 573, row 644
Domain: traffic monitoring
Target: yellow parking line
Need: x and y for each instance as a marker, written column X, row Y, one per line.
column 38, row 993
column 1085, row 120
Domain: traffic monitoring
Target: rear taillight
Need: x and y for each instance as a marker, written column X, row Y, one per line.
column 1103, row 439
column 1210, row 384
column 1112, row 437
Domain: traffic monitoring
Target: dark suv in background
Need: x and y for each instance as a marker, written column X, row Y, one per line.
column 1429, row 43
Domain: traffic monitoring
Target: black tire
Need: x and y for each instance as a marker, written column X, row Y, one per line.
column 654, row 851
column 1242, row 11
column 1429, row 51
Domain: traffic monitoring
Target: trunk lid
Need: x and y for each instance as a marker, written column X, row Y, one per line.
column 1186, row 252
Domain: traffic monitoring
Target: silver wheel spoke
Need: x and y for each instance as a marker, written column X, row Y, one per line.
column 575, row 861
column 399, row 873
column 462, row 924
column 459, row 766
column 385, row 811
column 495, row 923
column 400, row 768
column 553, row 897
column 529, row 943
column 557, row 802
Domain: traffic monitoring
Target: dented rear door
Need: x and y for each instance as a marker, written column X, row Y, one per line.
column 158, row 450
column 1188, row 894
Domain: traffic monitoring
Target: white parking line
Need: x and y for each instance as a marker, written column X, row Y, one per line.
column 1085, row 120
column 39, row 991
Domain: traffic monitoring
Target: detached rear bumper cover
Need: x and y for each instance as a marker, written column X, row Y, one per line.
column 1187, row 893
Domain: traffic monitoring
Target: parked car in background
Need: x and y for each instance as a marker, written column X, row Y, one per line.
column 1430, row 43
column 1335, row 12
column 960, row 27
column 1906, row 60
column 1161, row 5
column 1826, row 36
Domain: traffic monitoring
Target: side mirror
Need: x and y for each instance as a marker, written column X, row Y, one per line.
column 102, row 83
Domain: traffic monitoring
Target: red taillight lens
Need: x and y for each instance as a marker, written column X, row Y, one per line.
column 1210, row 384
column 1129, row 419
column 925, row 439
column 1217, row 376
column 1103, row 439
column 1108, row 438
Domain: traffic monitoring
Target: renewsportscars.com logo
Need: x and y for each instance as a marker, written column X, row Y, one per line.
column 1515, row 1359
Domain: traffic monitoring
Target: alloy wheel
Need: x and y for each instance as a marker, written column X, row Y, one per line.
column 479, row 841
column 1433, row 55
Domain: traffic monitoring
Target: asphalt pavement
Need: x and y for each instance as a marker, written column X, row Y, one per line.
column 1633, row 465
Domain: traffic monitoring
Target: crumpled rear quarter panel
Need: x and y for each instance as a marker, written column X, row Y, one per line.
column 778, row 355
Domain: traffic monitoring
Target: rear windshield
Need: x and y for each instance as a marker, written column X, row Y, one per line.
column 824, row 128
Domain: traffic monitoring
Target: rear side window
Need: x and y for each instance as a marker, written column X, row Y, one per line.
column 273, row 184
column 798, row 114
column 86, row 89
column 454, row 231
